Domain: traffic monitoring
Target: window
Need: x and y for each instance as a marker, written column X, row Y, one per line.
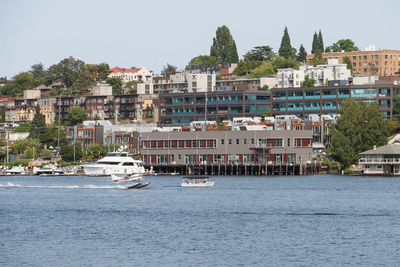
column 288, row 142
column 237, row 141
column 252, row 141
column 222, row 141
column 230, row 141
column 378, row 167
column 244, row 141
column 179, row 156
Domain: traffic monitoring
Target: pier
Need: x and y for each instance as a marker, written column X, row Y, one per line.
column 237, row 169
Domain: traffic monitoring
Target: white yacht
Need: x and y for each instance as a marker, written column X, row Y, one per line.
column 115, row 163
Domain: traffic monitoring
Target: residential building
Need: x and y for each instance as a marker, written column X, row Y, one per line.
column 384, row 160
column 322, row 74
column 183, row 108
column 127, row 75
column 385, row 62
column 326, row 99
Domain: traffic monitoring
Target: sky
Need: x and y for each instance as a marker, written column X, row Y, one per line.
column 150, row 34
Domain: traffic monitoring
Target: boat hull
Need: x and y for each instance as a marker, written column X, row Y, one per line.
column 101, row 170
column 205, row 184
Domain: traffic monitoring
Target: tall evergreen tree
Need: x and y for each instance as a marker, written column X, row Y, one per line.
column 302, row 54
column 320, row 42
column 315, row 44
column 224, row 47
column 286, row 50
column 38, row 126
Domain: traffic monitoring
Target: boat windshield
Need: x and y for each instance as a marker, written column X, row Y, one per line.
column 117, row 154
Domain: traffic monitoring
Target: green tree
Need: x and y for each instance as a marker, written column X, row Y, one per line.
column 283, row 63
column 66, row 71
column 396, row 109
column 266, row 68
column 260, row 53
column 359, row 127
column 347, row 61
column 20, row 83
column 23, row 128
column 168, row 70
column 26, row 147
column 72, row 152
column 116, row 84
column 315, row 44
column 316, row 60
column 76, row 115
column 345, row 45
column 2, row 114
column 51, row 137
column 38, row 126
column 245, row 66
column 308, row 82
column 320, row 42
column 286, row 50
column 96, row 151
column 206, row 61
column 302, row 54
column 224, row 47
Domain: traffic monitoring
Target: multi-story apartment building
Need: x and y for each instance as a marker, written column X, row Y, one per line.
column 333, row 71
column 326, row 100
column 385, row 62
column 183, row 108
column 127, row 75
column 227, row 147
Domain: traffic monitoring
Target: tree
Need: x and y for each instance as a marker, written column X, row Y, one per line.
column 38, row 71
column 23, row 128
column 396, row 109
column 320, row 42
column 359, row 127
column 345, row 45
column 286, row 50
column 96, row 151
column 308, row 82
column 204, row 60
column 347, row 61
column 72, row 152
column 302, row 54
column 168, row 70
column 316, row 60
column 38, row 126
column 245, row 66
column 264, row 69
column 20, row 83
column 260, row 53
column 76, row 115
column 224, row 47
column 283, row 63
column 51, row 137
column 116, row 84
column 315, row 44
column 67, row 71
column 26, row 147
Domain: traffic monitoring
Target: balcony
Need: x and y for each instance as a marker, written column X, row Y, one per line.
column 380, row 161
column 294, row 108
column 295, row 97
column 311, row 108
column 312, row 97
column 343, row 95
column 329, row 96
column 329, row 107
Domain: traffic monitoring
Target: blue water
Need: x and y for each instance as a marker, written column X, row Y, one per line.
column 320, row 220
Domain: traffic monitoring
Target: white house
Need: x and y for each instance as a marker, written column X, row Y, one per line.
column 127, row 75
column 332, row 71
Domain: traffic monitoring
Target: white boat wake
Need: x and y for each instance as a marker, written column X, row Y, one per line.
column 11, row 185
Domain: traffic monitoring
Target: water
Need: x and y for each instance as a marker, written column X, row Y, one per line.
column 249, row 221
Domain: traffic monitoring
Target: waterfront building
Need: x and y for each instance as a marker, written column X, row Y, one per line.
column 384, row 160
column 226, row 147
column 326, row 99
column 384, row 62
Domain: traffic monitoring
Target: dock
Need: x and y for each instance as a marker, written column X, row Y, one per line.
column 237, row 169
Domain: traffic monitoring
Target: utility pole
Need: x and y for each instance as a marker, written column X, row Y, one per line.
column 59, row 124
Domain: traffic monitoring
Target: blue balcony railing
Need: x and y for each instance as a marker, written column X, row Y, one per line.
column 329, row 96
column 332, row 107
column 343, row 95
column 312, row 97
column 298, row 108
column 295, row 97
column 311, row 108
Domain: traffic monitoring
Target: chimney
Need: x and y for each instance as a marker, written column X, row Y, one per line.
column 374, row 147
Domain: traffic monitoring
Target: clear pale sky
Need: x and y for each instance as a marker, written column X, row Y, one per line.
column 152, row 33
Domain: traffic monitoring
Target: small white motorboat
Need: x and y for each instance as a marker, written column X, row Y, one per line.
column 134, row 181
column 196, row 181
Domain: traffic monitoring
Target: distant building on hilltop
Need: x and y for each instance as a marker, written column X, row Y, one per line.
column 127, row 75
